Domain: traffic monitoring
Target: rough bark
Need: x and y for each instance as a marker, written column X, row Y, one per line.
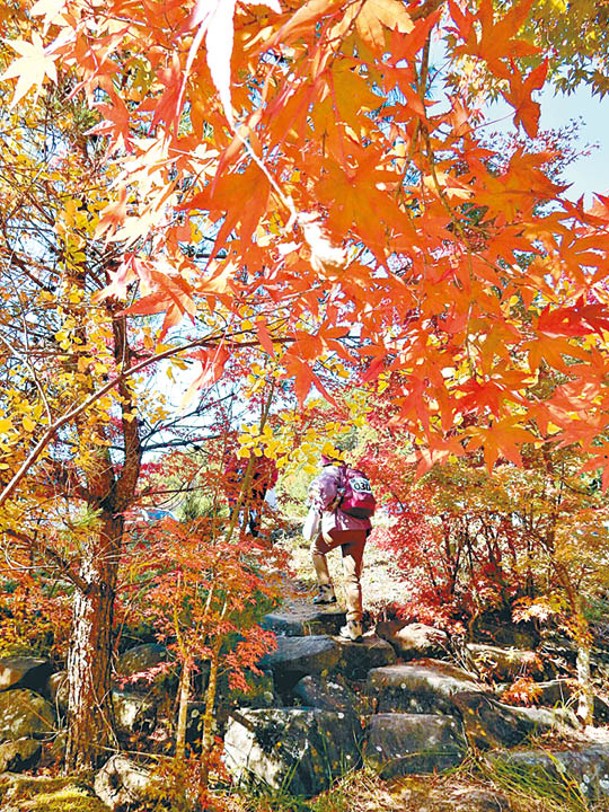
column 90, row 729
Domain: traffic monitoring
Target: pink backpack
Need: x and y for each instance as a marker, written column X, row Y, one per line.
column 356, row 497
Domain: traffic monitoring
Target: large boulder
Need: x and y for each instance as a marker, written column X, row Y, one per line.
column 122, row 784
column 357, row 659
column 25, row 672
column 295, row 750
column 295, row 657
column 490, row 724
column 413, row 641
column 505, row 664
column 406, row 743
column 330, row 693
column 425, row 686
column 25, row 714
column 580, row 770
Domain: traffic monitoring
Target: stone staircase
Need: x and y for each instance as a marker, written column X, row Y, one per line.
column 339, row 705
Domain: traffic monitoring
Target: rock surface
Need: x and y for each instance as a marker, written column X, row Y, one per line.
column 582, row 770
column 122, row 784
column 133, row 712
column 424, row 686
column 19, row 755
column 489, row 723
column 357, row 659
column 415, row 640
column 296, row 750
column 134, row 666
column 304, row 620
column 330, row 693
column 25, row 714
column 407, row 743
column 25, row 672
column 295, row 657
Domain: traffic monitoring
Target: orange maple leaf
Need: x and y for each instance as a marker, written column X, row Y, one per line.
column 377, row 15
column 501, row 439
column 526, row 111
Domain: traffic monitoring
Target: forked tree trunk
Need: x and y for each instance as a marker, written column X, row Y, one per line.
column 90, row 728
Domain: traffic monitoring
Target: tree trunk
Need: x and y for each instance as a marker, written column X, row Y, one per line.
column 585, row 702
column 183, row 697
column 90, row 728
column 207, row 737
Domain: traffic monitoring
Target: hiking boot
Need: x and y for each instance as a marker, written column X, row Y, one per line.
column 325, row 595
column 352, row 631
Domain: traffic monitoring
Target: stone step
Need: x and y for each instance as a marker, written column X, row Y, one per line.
column 302, row 620
column 400, row 744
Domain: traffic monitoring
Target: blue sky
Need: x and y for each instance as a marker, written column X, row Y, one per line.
column 589, row 173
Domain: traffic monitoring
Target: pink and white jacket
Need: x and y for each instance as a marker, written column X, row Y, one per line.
column 322, row 495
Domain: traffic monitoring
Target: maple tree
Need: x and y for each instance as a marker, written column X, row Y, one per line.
column 205, row 596
column 297, row 176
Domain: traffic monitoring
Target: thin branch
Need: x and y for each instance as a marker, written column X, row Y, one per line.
column 56, row 558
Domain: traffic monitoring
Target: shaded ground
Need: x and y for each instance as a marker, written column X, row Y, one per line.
column 468, row 789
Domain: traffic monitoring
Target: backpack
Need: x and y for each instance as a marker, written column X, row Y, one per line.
column 356, row 497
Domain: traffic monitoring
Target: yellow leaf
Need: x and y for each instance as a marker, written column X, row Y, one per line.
column 376, row 14
column 5, row 425
column 28, row 423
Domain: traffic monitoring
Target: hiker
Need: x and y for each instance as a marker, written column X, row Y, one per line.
column 263, row 480
column 331, row 524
